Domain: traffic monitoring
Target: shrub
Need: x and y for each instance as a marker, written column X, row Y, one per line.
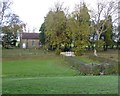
column 95, row 70
column 78, row 51
column 99, row 44
column 57, row 51
column 111, row 69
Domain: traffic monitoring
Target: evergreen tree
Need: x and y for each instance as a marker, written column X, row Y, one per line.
column 108, row 34
column 42, row 34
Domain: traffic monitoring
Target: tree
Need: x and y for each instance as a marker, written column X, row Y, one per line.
column 55, row 24
column 42, row 34
column 116, row 36
column 118, row 28
column 15, row 23
column 80, row 28
column 11, row 29
column 4, row 10
column 103, row 11
column 8, row 40
column 108, row 34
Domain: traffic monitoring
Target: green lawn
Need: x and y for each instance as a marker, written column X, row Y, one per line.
column 62, row 85
column 36, row 67
column 38, row 72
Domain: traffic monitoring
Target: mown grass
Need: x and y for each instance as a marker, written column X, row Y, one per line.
column 38, row 72
column 61, row 85
column 35, row 67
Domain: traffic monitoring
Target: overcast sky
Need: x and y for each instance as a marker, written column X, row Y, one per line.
column 33, row 12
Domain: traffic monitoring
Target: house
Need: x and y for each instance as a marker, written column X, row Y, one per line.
column 29, row 40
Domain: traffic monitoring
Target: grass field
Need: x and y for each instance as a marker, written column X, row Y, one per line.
column 61, row 85
column 39, row 72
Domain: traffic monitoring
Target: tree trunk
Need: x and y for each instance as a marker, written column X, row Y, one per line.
column 105, row 47
column 95, row 52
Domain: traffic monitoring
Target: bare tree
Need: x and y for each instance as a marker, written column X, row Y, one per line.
column 4, row 9
column 102, row 12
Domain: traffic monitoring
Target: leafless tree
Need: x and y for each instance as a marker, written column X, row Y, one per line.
column 102, row 12
column 4, row 9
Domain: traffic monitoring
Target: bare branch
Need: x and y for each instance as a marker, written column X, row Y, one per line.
column 104, row 10
column 4, row 6
column 100, row 10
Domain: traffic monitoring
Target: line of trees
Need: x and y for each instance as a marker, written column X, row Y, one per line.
column 79, row 30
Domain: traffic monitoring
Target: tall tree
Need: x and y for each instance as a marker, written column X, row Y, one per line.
column 108, row 34
column 13, row 26
column 80, row 28
column 42, row 34
column 4, row 10
column 103, row 11
column 55, row 24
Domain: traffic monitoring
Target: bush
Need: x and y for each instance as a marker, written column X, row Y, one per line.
column 78, row 51
column 99, row 44
column 111, row 69
column 94, row 69
column 80, row 46
column 57, row 51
